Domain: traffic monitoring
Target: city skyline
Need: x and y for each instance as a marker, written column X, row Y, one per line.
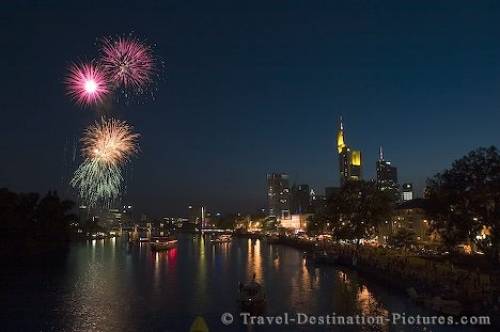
column 237, row 166
column 244, row 99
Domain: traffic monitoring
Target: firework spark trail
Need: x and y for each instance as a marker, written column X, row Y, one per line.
column 97, row 181
column 111, row 141
column 107, row 145
column 125, row 65
column 127, row 62
column 86, row 84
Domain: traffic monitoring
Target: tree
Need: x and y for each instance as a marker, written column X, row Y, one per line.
column 318, row 223
column 270, row 224
column 466, row 197
column 357, row 209
column 24, row 215
column 17, row 212
column 53, row 217
column 403, row 238
column 225, row 221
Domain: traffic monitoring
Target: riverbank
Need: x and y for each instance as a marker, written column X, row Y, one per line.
column 438, row 285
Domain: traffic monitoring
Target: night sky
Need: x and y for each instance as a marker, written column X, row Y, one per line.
column 255, row 87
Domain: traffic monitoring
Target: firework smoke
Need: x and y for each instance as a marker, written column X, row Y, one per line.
column 86, row 84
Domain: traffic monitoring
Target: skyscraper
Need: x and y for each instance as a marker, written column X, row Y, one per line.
column 387, row 175
column 301, row 199
column 278, row 195
column 349, row 160
column 407, row 191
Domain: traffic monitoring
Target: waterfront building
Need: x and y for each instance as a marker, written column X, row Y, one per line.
column 407, row 194
column 301, row 199
column 295, row 222
column 83, row 214
column 387, row 176
column 278, row 195
column 349, row 159
column 410, row 215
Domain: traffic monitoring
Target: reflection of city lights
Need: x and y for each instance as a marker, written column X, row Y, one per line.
column 369, row 306
column 344, row 277
column 171, row 257
column 276, row 262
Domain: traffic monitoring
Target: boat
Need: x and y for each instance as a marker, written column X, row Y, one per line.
column 252, row 297
column 163, row 245
column 160, row 238
column 221, row 239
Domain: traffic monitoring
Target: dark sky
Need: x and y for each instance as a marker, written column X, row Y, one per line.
column 254, row 87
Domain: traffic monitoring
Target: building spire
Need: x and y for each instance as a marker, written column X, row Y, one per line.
column 380, row 153
column 340, row 137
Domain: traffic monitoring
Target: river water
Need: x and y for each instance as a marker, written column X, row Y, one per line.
column 104, row 285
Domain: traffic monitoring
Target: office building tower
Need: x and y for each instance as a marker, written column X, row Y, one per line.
column 349, row 159
column 387, row 176
column 301, row 199
column 278, row 195
column 407, row 191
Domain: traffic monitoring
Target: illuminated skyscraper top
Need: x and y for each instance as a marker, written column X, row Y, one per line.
column 340, row 137
column 349, row 160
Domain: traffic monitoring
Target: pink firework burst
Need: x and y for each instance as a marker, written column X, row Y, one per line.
column 127, row 62
column 86, row 84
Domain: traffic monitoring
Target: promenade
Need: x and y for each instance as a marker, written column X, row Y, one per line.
column 435, row 283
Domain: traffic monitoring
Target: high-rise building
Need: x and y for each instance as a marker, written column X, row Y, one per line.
column 387, row 175
column 349, row 160
column 331, row 191
column 301, row 199
column 318, row 203
column 278, row 195
column 407, row 191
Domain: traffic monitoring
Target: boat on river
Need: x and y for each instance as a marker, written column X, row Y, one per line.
column 165, row 244
column 221, row 239
column 252, row 297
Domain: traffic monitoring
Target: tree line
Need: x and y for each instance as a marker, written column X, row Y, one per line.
column 460, row 202
column 27, row 216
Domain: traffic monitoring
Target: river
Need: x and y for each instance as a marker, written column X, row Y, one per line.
column 104, row 285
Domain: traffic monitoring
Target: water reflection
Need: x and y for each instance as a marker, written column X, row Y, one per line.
column 90, row 301
column 275, row 257
column 254, row 260
column 157, row 271
column 110, row 286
